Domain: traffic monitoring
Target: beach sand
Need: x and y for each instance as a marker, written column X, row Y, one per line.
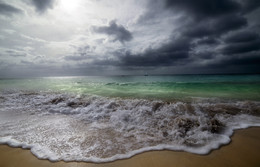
column 243, row 151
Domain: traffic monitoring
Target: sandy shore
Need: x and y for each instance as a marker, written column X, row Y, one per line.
column 244, row 150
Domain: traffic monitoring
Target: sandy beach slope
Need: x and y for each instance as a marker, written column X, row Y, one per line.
column 243, row 151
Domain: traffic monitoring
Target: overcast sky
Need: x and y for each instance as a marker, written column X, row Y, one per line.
column 128, row 37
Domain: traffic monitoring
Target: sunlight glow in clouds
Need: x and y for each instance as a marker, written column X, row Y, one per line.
column 69, row 5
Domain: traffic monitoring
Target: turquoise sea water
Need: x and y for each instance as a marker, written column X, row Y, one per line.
column 148, row 87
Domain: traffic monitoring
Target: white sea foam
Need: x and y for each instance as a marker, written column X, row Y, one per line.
column 58, row 126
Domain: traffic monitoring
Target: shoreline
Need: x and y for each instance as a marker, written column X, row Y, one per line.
column 244, row 150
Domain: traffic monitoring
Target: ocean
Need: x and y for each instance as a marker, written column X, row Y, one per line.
column 105, row 118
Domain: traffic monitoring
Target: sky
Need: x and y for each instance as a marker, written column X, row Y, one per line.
column 128, row 37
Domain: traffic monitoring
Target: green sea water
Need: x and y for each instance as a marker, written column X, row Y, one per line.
column 242, row 87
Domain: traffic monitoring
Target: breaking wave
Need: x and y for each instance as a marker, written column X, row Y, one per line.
column 60, row 126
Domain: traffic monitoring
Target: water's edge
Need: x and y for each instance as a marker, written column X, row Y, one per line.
column 135, row 153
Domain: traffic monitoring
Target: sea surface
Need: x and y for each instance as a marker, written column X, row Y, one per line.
column 105, row 118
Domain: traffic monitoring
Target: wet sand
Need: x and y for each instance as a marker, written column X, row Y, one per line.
column 243, row 151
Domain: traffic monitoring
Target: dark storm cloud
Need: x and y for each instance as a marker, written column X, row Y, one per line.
column 204, row 22
column 244, row 36
column 248, row 62
column 249, row 5
column 204, row 8
column 244, row 60
column 151, row 58
column 166, row 55
column 241, row 42
column 42, row 5
column 119, row 32
column 170, row 54
column 205, row 55
column 241, row 47
column 207, row 41
column 9, row 10
column 216, row 26
column 214, row 17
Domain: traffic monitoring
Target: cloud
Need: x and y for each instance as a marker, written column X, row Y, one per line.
column 14, row 53
column 204, row 8
column 119, row 32
column 241, row 47
column 241, row 42
column 43, row 5
column 81, row 53
column 249, row 5
column 173, row 53
column 243, row 36
column 215, row 35
column 76, row 58
column 215, row 27
column 161, row 36
column 247, row 62
column 27, row 62
column 207, row 41
column 9, row 10
column 203, row 25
